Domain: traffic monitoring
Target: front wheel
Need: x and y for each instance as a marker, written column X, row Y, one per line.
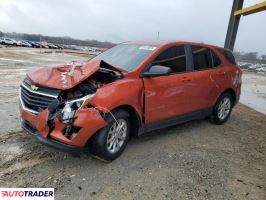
column 222, row 109
column 109, row 143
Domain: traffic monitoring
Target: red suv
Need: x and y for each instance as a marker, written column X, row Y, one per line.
column 130, row 89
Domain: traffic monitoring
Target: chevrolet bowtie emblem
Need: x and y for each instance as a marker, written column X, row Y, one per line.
column 34, row 87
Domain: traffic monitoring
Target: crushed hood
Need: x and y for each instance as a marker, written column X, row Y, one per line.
column 67, row 76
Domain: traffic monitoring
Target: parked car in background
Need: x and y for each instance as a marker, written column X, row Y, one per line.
column 130, row 89
column 17, row 42
column 1, row 40
column 52, row 46
column 34, row 44
column 261, row 69
column 93, row 49
column 24, row 43
column 244, row 65
column 59, row 46
column 39, row 44
column 8, row 41
column 252, row 67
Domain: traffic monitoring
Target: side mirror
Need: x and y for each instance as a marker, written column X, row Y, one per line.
column 157, row 70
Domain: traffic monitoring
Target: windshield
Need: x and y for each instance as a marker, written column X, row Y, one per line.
column 126, row 56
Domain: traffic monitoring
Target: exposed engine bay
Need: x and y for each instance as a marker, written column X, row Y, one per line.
column 72, row 99
column 89, row 86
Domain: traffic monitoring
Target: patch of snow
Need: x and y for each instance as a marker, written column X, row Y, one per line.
column 254, row 101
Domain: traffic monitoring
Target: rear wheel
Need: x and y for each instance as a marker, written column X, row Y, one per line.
column 109, row 143
column 222, row 109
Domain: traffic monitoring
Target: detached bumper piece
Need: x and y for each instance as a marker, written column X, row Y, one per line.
column 74, row 151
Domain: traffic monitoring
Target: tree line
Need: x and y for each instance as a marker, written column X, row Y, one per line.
column 250, row 56
column 240, row 56
column 57, row 40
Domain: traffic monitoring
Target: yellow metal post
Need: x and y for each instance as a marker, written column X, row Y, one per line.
column 252, row 9
column 233, row 25
column 235, row 16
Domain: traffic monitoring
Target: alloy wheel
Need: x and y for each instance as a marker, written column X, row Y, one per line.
column 117, row 135
column 224, row 108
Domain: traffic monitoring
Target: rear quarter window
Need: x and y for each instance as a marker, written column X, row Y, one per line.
column 216, row 62
column 228, row 55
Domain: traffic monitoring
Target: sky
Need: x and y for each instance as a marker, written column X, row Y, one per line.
column 124, row 20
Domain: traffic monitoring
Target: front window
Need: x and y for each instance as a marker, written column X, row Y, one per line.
column 126, row 56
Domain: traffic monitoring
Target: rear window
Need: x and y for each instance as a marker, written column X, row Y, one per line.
column 228, row 55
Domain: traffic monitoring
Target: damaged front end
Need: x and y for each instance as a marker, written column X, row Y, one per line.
column 61, row 115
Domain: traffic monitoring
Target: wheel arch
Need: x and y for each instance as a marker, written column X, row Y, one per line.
column 230, row 91
column 135, row 119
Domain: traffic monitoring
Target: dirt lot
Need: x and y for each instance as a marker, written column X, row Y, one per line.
column 196, row 160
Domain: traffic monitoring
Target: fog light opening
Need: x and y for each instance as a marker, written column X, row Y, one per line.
column 71, row 131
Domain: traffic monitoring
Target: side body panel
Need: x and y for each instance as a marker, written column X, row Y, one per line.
column 166, row 96
column 202, row 88
column 192, row 91
column 227, row 77
column 125, row 92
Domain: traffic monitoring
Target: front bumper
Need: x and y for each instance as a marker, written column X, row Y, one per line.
column 88, row 120
column 74, row 151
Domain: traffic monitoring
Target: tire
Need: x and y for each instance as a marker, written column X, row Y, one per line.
column 222, row 109
column 103, row 143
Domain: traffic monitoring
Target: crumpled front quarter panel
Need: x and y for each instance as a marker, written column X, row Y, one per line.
column 126, row 91
column 89, row 120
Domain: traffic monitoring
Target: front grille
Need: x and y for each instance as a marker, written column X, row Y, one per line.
column 36, row 100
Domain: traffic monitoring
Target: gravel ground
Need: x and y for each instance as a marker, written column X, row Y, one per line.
column 195, row 160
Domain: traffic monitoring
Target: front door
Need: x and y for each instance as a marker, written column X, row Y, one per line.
column 168, row 96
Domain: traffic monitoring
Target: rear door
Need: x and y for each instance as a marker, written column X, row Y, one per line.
column 167, row 96
column 203, row 87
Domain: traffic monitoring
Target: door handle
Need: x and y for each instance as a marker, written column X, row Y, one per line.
column 221, row 73
column 186, row 79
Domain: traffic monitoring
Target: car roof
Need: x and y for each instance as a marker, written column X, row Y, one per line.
column 169, row 42
column 148, row 42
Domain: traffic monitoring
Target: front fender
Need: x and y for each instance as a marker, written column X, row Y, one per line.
column 126, row 91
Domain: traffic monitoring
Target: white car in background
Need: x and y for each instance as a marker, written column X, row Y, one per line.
column 8, row 41
column 254, row 66
column 261, row 69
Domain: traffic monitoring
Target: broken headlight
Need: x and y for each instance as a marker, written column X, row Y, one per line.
column 70, row 108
